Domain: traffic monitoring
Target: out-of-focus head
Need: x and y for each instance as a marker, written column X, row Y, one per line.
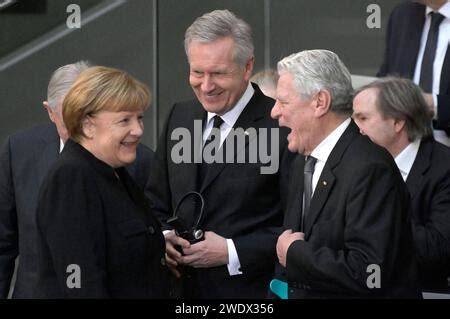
column 219, row 48
column 60, row 83
column 314, row 88
column 391, row 107
column 267, row 81
column 104, row 112
column 434, row 4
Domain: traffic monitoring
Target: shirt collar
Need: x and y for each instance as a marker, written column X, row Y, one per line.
column 444, row 10
column 232, row 115
column 61, row 145
column 405, row 159
column 323, row 150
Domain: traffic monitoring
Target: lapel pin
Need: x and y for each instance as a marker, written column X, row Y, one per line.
column 324, row 183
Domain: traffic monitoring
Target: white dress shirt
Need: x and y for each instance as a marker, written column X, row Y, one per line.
column 441, row 50
column 324, row 149
column 229, row 119
column 61, row 145
column 406, row 158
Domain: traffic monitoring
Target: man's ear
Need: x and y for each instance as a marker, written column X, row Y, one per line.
column 399, row 125
column 248, row 68
column 88, row 127
column 50, row 112
column 323, row 103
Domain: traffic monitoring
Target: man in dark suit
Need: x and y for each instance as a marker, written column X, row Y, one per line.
column 243, row 213
column 24, row 162
column 349, row 235
column 393, row 113
column 417, row 43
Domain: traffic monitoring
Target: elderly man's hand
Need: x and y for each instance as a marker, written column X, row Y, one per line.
column 283, row 243
column 210, row 252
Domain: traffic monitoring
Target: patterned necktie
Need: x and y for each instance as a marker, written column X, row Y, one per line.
column 426, row 70
column 308, row 172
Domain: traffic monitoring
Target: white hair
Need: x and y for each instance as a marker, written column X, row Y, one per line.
column 315, row 70
column 62, row 80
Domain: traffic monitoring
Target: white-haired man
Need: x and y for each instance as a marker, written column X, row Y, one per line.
column 348, row 235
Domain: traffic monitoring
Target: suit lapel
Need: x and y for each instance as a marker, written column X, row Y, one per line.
column 251, row 114
column 188, row 171
column 406, row 31
column 420, row 166
column 327, row 178
column 292, row 220
column 444, row 85
column 415, row 34
column 320, row 196
column 50, row 151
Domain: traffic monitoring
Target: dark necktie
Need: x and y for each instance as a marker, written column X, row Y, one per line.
column 426, row 70
column 308, row 172
column 213, row 137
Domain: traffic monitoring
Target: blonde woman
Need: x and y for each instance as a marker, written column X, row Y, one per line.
column 98, row 236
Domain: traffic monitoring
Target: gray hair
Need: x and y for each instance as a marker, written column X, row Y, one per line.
column 401, row 99
column 218, row 24
column 62, row 80
column 315, row 70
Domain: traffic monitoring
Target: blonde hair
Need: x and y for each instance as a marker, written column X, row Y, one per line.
column 98, row 89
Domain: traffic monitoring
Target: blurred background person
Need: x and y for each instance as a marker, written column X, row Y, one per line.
column 417, row 42
column 91, row 214
column 267, row 81
column 394, row 114
column 24, row 161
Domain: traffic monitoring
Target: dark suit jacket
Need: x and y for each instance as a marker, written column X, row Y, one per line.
column 89, row 217
column 241, row 203
column 402, row 47
column 358, row 217
column 24, row 162
column 429, row 185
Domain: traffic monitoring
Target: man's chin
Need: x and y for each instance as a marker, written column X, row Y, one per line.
column 292, row 147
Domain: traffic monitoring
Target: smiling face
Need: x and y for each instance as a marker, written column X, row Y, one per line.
column 217, row 81
column 113, row 137
column 296, row 112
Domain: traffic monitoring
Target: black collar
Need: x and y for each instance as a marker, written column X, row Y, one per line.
column 101, row 167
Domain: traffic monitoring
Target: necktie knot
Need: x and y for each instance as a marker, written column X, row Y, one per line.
column 436, row 19
column 309, row 164
column 217, row 121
